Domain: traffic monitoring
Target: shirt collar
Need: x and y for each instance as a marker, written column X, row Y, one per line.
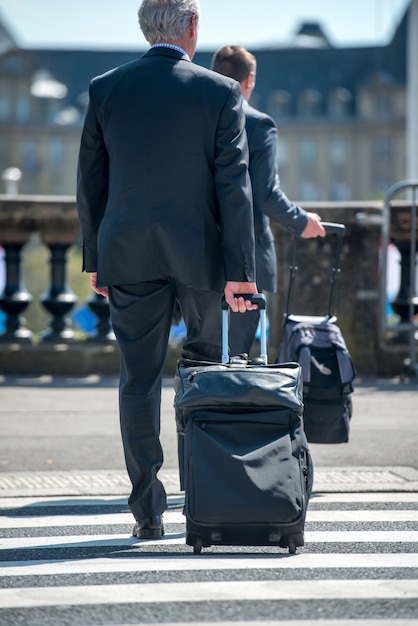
column 172, row 46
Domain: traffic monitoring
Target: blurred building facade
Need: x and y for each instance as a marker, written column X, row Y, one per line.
column 340, row 112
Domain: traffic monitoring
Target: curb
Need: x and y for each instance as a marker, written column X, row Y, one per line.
column 116, row 483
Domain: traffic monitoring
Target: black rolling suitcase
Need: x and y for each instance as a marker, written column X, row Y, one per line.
column 317, row 343
column 247, row 468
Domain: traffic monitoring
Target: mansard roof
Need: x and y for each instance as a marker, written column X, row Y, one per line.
column 289, row 69
column 7, row 41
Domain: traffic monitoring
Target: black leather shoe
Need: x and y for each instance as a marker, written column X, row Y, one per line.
column 149, row 528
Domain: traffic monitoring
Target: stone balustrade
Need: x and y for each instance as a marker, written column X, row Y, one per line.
column 59, row 350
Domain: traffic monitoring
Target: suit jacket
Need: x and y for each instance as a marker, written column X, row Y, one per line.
column 269, row 200
column 163, row 187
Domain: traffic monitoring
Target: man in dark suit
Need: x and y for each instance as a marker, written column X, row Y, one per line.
column 165, row 210
column 268, row 198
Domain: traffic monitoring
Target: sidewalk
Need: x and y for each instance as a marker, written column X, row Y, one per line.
column 60, row 436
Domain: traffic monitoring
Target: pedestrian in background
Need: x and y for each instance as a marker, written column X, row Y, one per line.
column 268, row 198
column 165, row 209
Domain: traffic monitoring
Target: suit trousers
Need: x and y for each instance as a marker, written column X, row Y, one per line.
column 141, row 317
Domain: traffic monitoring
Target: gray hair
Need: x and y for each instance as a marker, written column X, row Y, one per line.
column 166, row 19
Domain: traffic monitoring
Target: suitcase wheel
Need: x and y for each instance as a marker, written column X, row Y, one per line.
column 292, row 546
column 292, row 542
column 197, row 548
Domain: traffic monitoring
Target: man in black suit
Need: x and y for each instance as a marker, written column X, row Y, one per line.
column 268, row 198
column 165, row 210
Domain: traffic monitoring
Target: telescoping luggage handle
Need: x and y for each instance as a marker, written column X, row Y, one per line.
column 255, row 298
column 331, row 228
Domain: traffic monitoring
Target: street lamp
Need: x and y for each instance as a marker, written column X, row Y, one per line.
column 11, row 177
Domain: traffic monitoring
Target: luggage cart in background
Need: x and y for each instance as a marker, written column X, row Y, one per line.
column 399, row 226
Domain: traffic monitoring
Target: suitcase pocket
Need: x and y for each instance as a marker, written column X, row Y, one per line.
column 327, row 422
column 240, row 469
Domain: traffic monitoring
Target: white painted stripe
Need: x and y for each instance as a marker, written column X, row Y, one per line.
column 84, row 541
column 59, row 521
column 75, row 500
column 209, row 592
column 304, row 622
column 87, row 541
column 359, row 536
column 317, row 499
column 54, row 501
column 362, row 516
column 329, row 498
column 190, row 562
column 176, row 517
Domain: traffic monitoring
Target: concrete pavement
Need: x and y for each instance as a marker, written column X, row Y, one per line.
column 60, row 436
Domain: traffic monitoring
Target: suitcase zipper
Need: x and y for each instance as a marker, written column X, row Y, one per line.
column 235, row 368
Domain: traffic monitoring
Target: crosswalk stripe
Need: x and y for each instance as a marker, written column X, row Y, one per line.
column 107, row 501
column 379, row 496
column 362, row 516
column 316, row 499
column 91, row 541
column 317, row 622
column 209, row 592
column 190, row 562
column 176, row 517
column 362, row 536
column 105, row 519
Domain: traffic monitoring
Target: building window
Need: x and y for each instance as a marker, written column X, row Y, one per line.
column 338, row 151
column 282, row 152
column 55, row 154
column 309, row 104
column 22, row 108
column 339, row 191
column 52, row 109
column 28, row 156
column 279, row 103
column 309, row 191
column 307, row 152
column 383, row 105
column 339, row 102
column 382, row 148
column 381, row 185
column 5, row 107
column 4, row 154
column 13, row 64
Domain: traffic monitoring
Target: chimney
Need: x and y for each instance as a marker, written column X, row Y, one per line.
column 311, row 35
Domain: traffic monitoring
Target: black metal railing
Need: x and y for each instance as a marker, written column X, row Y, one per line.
column 54, row 219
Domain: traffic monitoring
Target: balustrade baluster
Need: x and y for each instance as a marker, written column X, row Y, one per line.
column 15, row 298
column 60, row 299
column 99, row 305
column 405, row 299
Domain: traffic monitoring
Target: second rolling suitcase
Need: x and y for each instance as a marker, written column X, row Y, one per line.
column 317, row 343
column 247, row 467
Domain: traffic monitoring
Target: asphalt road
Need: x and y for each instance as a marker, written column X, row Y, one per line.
column 72, row 424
